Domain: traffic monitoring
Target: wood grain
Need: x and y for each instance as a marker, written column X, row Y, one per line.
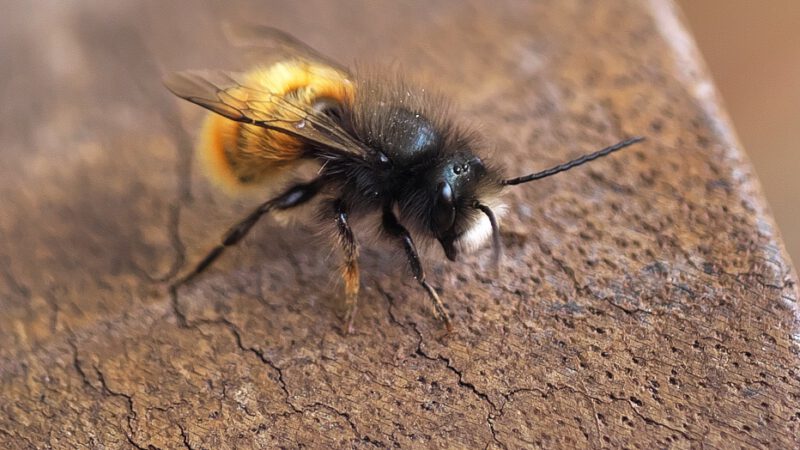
column 645, row 300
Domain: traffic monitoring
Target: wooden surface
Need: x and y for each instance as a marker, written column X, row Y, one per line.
column 645, row 300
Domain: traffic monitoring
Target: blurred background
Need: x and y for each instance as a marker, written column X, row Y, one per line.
column 753, row 52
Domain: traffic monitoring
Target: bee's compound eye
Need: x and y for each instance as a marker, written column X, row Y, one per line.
column 444, row 213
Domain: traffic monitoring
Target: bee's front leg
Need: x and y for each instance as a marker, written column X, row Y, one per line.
column 393, row 227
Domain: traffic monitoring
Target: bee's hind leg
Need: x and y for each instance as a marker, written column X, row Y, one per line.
column 350, row 273
column 294, row 196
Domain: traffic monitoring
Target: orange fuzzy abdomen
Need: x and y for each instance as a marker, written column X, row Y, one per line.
column 237, row 155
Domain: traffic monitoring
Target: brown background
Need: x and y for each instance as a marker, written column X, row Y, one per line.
column 752, row 50
column 645, row 300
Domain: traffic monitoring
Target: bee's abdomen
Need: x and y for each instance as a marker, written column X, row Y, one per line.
column 238, row 155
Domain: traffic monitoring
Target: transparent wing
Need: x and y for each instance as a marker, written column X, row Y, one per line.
column 227, row 94
column 264, row 43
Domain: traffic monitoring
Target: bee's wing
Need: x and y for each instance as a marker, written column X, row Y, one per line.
column 224, row 94
column 265, row 43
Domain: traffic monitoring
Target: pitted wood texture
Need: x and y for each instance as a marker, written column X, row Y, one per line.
column 644, row 300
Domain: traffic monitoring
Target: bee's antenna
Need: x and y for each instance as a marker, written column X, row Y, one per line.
column 496, row 243
column 574, row 163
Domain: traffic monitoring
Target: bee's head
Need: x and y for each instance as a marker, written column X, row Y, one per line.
column 465, row 199
column 461, row 215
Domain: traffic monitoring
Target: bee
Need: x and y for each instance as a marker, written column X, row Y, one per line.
column 382, row 148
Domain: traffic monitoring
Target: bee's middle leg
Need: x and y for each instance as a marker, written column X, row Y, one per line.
column 350, row 273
